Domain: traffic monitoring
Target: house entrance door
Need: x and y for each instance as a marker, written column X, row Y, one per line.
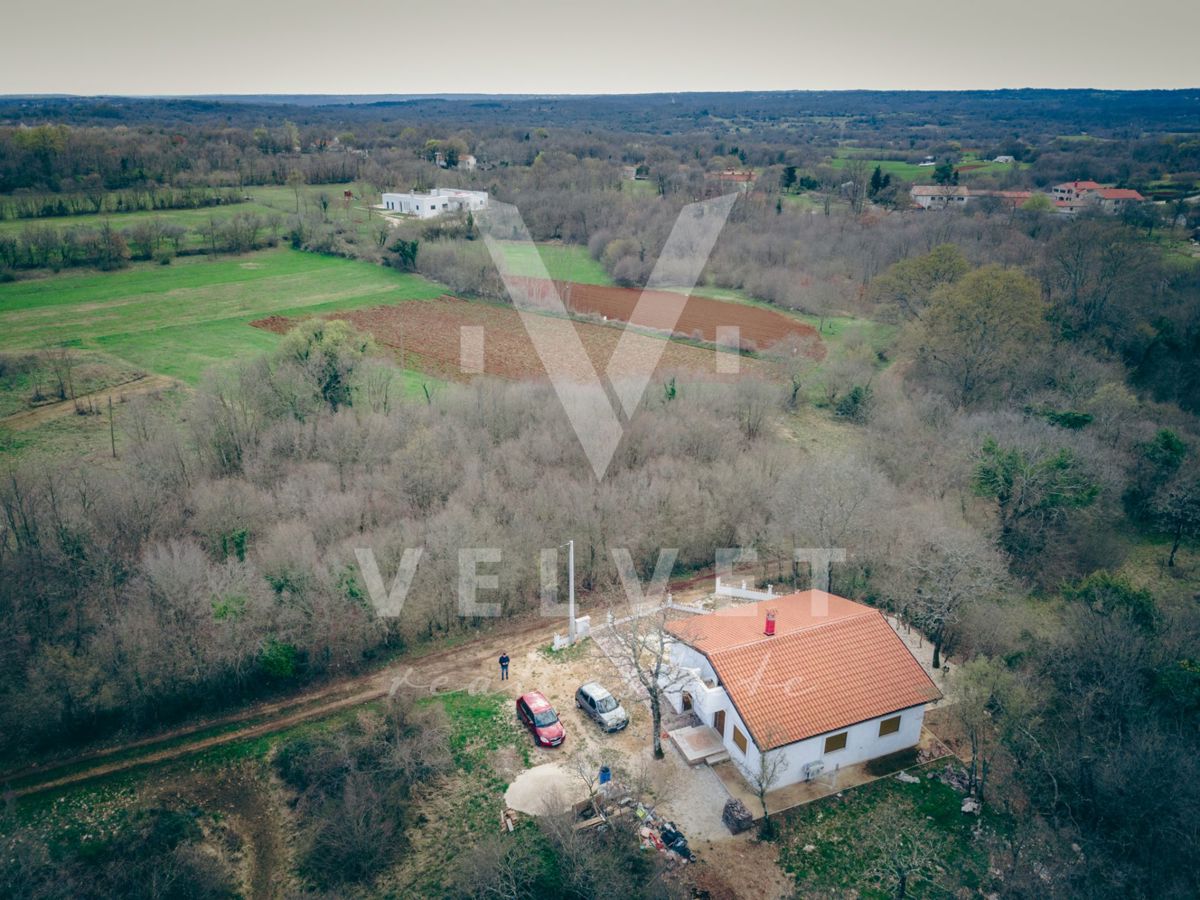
column 719, row 722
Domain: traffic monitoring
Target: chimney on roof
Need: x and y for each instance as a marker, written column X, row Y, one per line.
column 769, row 628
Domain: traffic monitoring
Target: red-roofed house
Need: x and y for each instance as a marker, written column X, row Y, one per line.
column 1076, row 196
column 1113, row 200
column 825, row 682
column 1073, row 190
column 742, row 179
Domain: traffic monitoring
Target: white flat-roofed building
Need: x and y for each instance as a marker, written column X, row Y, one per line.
column 435, row 203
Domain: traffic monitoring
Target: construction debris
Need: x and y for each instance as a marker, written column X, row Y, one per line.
column 905, row 778
column 658, row 834
column 952, row 776
column 736, row 817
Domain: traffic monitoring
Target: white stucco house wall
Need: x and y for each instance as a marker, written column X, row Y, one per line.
column 832, row 686
column 435, row 203
column 939, row 196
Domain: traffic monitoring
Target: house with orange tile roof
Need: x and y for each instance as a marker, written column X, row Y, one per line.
column 819, row 679
column 1114, row 200
column 1073, row 190
column 742, row 179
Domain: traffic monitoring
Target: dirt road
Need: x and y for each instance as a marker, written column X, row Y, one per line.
column 470, row 665
column 31, row 418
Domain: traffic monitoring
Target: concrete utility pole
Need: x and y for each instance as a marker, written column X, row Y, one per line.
column 571, row 592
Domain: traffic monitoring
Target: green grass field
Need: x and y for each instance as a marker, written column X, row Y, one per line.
column 895, row 168
column 808, row 202
column 565, row 262
column 178, row 320
column 979, row 166
column 641, row 188
column 847, row 853
column 924, row 174
column 268, row 201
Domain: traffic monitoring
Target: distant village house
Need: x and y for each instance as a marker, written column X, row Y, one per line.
column 1069, row 198
column 1072, row 197
column 742, row 179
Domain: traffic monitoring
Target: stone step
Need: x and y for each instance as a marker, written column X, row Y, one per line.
column 721, row 757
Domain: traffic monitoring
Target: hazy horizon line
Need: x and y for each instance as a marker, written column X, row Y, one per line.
column 37, row 95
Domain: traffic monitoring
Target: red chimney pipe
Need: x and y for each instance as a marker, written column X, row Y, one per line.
column 770, row 626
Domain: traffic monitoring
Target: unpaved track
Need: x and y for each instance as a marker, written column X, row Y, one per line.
column 31, row 418
column 440, row 670
column 443, row 669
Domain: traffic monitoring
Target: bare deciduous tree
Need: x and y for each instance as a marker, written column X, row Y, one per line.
column 764, row 777
column 949, row 570
column 641, row 647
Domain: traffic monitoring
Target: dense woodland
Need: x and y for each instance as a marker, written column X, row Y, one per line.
column 1026, row 440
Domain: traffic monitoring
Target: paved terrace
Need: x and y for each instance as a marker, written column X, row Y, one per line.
column 825, row 785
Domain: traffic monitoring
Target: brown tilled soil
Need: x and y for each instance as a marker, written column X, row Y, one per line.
column 426, row 335
column 700, row 317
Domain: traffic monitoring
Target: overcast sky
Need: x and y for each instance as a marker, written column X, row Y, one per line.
column 604, row 46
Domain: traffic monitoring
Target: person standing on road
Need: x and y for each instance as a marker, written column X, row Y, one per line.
column 504, row 666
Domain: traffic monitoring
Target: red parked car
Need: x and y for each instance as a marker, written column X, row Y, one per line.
column 535, row 711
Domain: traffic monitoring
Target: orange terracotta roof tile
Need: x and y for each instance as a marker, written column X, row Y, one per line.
column 831, row 663
column 1119, row 194
column 743, row 623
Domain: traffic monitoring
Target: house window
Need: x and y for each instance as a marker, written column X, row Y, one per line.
column 836, row 742
column 739, row 739
column 889, row 726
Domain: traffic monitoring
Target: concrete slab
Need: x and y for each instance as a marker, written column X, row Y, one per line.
column 697, row 743
column 692, row 797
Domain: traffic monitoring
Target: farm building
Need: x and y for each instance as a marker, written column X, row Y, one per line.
column 1113, row 200
column 435, row 203
column 935, row 196
column 938, row 196
column 819, row 679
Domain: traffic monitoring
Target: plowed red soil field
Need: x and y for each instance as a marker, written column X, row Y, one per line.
column 700, row 318
column 426, row 334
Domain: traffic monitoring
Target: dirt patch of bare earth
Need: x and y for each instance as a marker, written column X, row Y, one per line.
column 428, row 335
column 741, row 868
column 242, row 797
